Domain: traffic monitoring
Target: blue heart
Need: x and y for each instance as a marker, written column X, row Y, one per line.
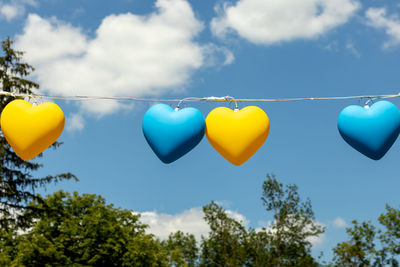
column 172, row 133
column 371, row 131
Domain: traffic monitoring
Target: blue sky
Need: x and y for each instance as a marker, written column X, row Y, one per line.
column 245, row 49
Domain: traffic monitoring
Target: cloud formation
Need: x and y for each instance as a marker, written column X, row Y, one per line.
column 14, row 9
column 75, row 122
column 379, row 19
column 10, row 12
column 339, row 222
column 352, row 49
column 272, row 21
column 192, row 221
column 130, row 55
column 189, row 221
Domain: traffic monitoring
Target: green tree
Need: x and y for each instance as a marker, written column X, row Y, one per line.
column 181, row 249
column 371, row 246
column 286, row 242
column 360, row 250
column 83, row 230
column 8, row 243
column 391, row 233
column 17, row 183
column 294, row 223
column 258, row 248
column 225, row 244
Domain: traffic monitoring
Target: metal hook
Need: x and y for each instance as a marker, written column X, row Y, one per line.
column 370, row 99
column 179, row 103
column 230, row 99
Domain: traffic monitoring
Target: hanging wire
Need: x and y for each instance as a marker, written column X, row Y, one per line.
column 187, row 99
column 198, row 99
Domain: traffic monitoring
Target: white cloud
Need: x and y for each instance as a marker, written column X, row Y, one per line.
column 189, row 221
column 75, row 122
column 238, row 217
column 48, row 41
column 10, row 12
column 317, row 241
column 217, row 55
column 331, row 47
column 192, row 221
column 377, row 18
column 130, row 55
column 352, row 49
column 14, row 9
column 339, row 222
column 273, row 21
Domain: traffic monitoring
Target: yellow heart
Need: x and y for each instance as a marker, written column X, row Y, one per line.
column 237, row 135
column 31, row 129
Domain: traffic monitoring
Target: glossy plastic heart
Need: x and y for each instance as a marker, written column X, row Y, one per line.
column 237, row 135
column 371, row 131
column 31, row 129
column 172, row 133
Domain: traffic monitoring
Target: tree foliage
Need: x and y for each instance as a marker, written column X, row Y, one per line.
column 82, row 230
column 294, row 223
column 17, row 182
column 225, row 245
column 284, row 243
column 390, row 236
column 360, row 250
column 181, row 249
column 369, row 245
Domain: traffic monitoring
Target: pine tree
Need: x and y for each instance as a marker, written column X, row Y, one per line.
column 17, row 184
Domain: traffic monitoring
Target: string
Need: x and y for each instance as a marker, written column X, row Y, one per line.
column 197, row 99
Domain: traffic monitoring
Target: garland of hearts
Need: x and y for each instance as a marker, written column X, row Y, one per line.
column 171, row 133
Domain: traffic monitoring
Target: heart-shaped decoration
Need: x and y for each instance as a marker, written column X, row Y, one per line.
column 31, row 129
column 370, row 130
column 172, row 133
column 238, row 134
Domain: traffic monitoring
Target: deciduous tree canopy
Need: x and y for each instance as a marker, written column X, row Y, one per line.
column 82, row 230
